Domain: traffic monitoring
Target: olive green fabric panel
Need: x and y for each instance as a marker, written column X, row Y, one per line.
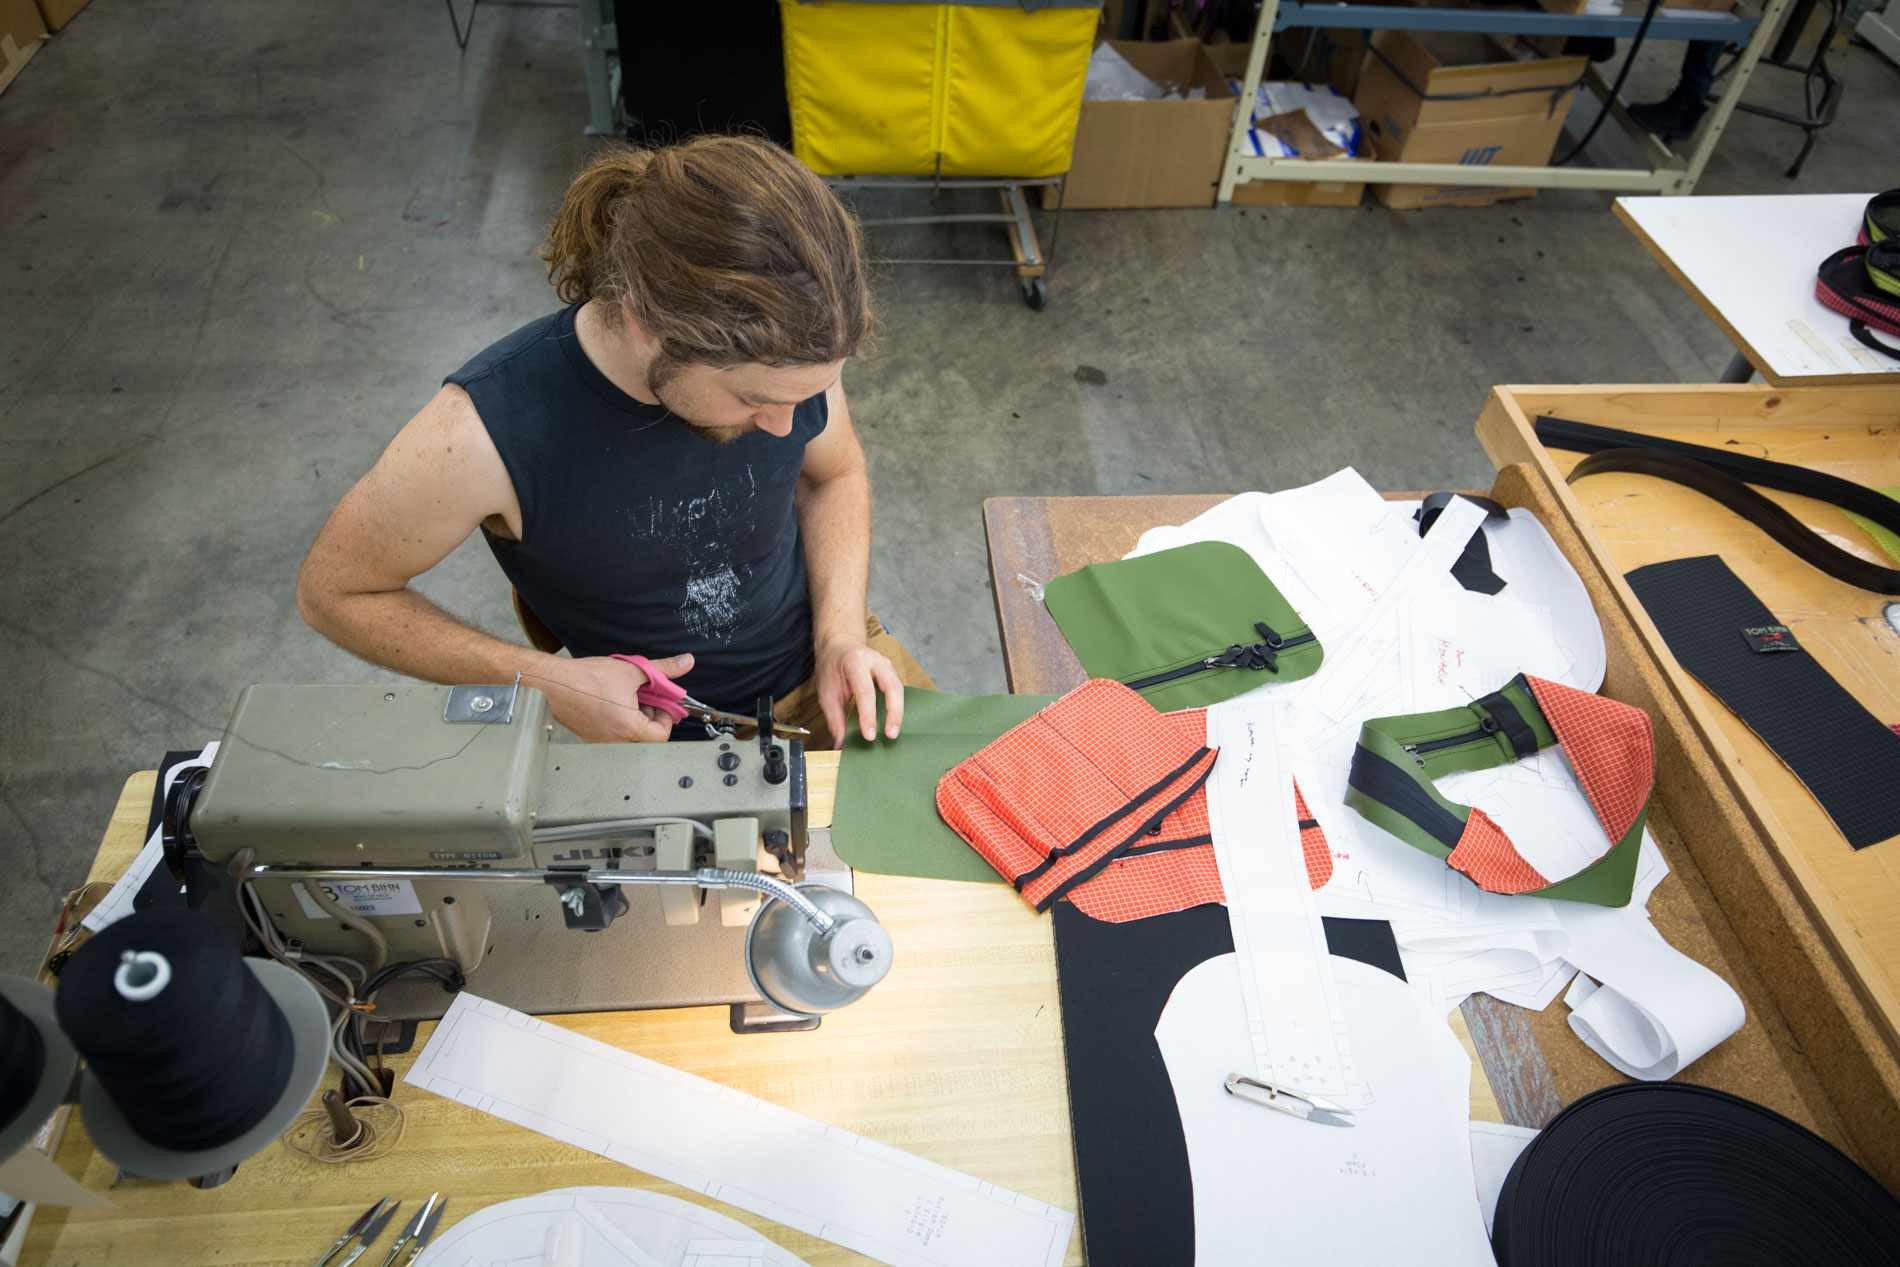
column 885, row 818
column 1136, row 618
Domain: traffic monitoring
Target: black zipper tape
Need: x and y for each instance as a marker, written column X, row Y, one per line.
column 1374, row 776
column 1260, row 655
column 1487, row 728
column 1118, row 851
column 1134, row 803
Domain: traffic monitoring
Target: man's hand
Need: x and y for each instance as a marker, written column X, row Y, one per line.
column 849, row 670
column 598, row 698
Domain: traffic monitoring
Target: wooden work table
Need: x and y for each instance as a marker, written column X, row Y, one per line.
column 956, row 1056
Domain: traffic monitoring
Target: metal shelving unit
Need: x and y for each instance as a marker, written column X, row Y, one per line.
column 1670, row 172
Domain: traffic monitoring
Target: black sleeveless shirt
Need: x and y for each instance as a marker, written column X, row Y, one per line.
column 638, row 535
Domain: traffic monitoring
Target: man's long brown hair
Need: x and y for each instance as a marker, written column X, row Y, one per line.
column 725, row 248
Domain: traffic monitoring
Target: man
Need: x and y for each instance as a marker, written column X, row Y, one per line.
column 665, row 467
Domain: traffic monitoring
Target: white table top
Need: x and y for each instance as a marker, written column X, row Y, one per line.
column 1750, row 263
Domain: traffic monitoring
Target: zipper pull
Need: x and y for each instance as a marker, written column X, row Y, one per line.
column 1416, row 759
column 1272, row 640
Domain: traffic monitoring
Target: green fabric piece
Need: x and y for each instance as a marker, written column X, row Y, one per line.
column 1608, row 881
column 1886, row 540
column 1135, row 618
column 885, row 816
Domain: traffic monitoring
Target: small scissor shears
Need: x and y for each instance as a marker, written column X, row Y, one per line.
column 1301, row 1104
column 670, row 697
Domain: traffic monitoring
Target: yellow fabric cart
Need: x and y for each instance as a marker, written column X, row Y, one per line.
column 979, row 94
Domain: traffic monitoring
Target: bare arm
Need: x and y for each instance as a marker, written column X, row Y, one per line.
column 439, row 480
column 834, row 519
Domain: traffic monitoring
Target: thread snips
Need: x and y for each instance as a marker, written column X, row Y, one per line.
column 1301, row 1104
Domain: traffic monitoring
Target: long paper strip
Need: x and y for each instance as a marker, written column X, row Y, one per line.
column 1294, row 1021
column 880, row 1201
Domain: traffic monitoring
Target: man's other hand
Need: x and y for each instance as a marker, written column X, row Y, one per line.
column 852, row 671
column 598, row 698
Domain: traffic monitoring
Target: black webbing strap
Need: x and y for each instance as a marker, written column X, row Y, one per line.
column 1671, row 1175
column 1724, row 476
column 1882, row 219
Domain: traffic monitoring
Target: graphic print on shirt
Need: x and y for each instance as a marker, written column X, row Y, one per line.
column 706, row 531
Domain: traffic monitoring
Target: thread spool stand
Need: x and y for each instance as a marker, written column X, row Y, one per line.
column 35, row 1001
column 309, row 1022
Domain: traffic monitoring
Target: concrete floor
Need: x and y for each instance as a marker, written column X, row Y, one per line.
column 244, row 241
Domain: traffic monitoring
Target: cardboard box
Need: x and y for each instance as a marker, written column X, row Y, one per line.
column 1326, row 55
column 21, row 31
column 1300, row 193
column 58, row 13
column 1154, row 153
column 1440, row 97
column 1295, row 129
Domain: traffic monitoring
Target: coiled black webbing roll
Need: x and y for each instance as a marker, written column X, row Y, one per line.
column 199, row 1063
column 1724, row 476
column 1663, row 1174
column 22, row 1060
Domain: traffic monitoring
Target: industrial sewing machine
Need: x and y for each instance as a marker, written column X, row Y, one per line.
column 390, row 824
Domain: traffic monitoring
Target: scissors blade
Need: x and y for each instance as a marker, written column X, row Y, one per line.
column 410, row 1228
column 370, row 1233
column 350, row 1233
column 428, row 1225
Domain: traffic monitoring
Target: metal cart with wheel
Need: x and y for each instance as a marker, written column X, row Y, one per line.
column 968, row 95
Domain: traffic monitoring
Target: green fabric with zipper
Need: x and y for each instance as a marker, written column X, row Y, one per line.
column 1427, row 746
column 1160, row 613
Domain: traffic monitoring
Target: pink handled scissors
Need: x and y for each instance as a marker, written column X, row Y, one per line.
column 670, row 697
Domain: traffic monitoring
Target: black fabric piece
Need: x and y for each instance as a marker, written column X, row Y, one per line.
column 1842, row 754
column 22, row 1061
column 1769, row 516
column 1473, row 568
column 1392, row 787
column 198, row 1065
column 1135, row 802
column 1583, row 437
column 637, row 534
column 1131, row 1161
column 1671, row 1175
column 1501, row 710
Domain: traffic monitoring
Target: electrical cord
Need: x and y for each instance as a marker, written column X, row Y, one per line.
column 379, row 945
column 1616, row 89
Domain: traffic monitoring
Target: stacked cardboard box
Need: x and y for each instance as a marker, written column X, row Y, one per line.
column 1442, row 97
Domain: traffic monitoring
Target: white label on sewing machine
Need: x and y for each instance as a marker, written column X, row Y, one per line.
column 362, row 897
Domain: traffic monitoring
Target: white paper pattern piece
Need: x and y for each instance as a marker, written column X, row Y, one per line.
column 117, row 903
column 1293, row 1021
column 1395, row 1187
column 1495, row 1147
column 603, row 1227
column 882, row 1202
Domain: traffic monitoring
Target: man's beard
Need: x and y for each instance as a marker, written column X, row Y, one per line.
column 718, row 435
